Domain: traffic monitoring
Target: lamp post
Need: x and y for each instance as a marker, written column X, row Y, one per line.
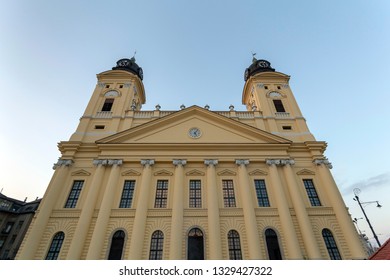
column 356, row 198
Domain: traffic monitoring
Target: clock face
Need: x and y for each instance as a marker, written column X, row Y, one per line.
column 275, row 94
column 140, row 73
column 124, row 62
column 194, row 132
column 263, row 64
column 111, row 93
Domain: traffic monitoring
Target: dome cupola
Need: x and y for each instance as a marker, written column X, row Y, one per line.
column 129, row 65
column 257, row 66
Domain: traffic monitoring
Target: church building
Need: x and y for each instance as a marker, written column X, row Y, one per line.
column 193, row 183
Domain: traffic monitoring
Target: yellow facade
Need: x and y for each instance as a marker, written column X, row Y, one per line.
column 258, row 178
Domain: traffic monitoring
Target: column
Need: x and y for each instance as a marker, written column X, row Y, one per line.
column 175, row 252
column 215, row 246
column 99, row 232
column 304, row 223
column 45, row 209
column 141, row 213
column 292, row 244
column 80, row 234
column 340, row 210
column 252, row 232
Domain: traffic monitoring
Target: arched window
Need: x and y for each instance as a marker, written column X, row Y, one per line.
column 117, row 242
column 331, row 245
column 195, row 247
column 55, row 246
column 234, row 245
column 272, row 245
column 156, row 245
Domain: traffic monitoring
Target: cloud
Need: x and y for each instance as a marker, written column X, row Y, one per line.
column 370, row 183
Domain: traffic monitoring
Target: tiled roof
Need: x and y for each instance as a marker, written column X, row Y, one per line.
column 383, row 253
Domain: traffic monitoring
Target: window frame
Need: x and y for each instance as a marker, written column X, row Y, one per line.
column 330, row 244
column 161, row 197
column 311, row 192
column 127, row 196
column 55, row 246
column 195, row 193
column 261, row 193
column 74, row 194
column 108, row 104
column 234, row 245
column 229, row 197
column 156, row 245
column 279, row 106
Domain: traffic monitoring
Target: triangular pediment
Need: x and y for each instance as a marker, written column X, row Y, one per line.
column 81, row 172
column 163, row 172
column 130, row 172
column 226, row 172
column 195, row 172
column 305, row 172
column 258, row 172
column 210, row 128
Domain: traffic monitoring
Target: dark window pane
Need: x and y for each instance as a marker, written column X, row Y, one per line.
column 272, row 245
column 117, row 242
column 108, row 104
column 311, row 192
column 195, row 194
column 229, row 199
column 161, row 194
column 156, row 246
column 127, row 194
column 55, row 246
column 261, row 193
column 74, row 194
column 234, row 245
column 331, row 245
column 279, row 106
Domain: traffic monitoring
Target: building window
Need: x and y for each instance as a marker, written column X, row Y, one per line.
column 331, row 245
column 156, row 245
column 8, row 227
column 272, row 245
column 234, row 245
column 55, row 246
column 74, row 194
column 127, row 194
column 261, row 193
column 195, row 194
column 311, row 192
column 108, row 104
column 279, row 106
column 116, row 248
column 229, row 199
column 161, row 194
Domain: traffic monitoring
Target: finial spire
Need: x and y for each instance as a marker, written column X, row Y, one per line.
column 133, row 58
column 253, row 57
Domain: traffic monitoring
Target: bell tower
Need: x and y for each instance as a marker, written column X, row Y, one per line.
column 118, row 93
column 268, row 92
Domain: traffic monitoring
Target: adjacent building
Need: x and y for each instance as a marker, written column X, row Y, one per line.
column 192, row 183
column 15, row 218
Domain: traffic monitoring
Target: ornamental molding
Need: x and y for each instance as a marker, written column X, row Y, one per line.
column 209, row 162
column 257, row 172
column 163, row 173
column 280, row 162
column 145, row 162
column 81, row 172
column 131, row 172
column 242, row 161
column 306, row 172
column 195, row 172
column 107, row 162
column 226, row 172
column 323, row 161
column 63, row 162
column 181, row 162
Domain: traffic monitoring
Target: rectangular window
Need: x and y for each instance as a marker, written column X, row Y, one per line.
column 108, row 105
column 311, row 192
column 229, row 199
column 279, row 106
column 195, row 194
column 161, row 194
column 74, row 194
column 127, row 194
column 261, row 193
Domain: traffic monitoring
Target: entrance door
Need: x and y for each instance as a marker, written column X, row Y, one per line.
column 195, row 245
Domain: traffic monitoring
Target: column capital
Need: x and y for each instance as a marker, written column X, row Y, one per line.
column 211, row 162
column 242, row 162
column 62, row 162
column 280, row 162
column 146, row 162
column 109, row 162
column 181, row 162
column 323, row 161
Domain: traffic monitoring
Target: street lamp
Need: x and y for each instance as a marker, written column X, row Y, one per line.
column 356, row 198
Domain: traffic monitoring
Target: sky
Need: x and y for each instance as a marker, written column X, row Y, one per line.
column 195, row 53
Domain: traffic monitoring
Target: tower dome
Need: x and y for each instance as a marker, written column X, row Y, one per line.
column 129, row 65
column 257, row 66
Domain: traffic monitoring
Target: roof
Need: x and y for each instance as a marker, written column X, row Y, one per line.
column 383, row 253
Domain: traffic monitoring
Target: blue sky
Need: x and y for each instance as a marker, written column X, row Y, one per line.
column 195, row 52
